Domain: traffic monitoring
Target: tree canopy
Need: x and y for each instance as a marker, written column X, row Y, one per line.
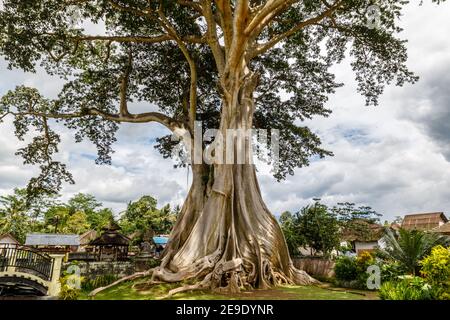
column 143, row 217
column 177, row 55
column 321, row 228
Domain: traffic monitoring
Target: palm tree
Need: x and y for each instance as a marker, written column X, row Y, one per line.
column 409, row 247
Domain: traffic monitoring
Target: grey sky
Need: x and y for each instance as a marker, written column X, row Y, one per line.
column 394, row 157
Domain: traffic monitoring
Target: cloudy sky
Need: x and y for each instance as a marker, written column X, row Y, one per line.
column 394, row 157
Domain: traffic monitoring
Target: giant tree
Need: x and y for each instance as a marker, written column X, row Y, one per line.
column 233, row 64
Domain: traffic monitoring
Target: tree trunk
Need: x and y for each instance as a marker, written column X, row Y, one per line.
column 225, row 237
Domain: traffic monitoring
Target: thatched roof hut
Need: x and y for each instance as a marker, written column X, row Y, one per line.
column 424, row 221
column 111, row 244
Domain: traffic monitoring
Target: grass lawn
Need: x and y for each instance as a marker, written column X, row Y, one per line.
column 140, row 291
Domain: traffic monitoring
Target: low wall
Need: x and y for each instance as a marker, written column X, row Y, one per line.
column 91, row 270
column 315, row 266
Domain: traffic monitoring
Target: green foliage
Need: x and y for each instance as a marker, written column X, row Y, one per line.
column 314, row 226
column 436, row 266
column 352, row 271
column 82, row 213
column 49, row 33
column 294, row 239
column 143, row 216
column 99, row 281
column 363, row 262
column 96, row 216
column 390, row 271
column 356, row 220
column 436, row 270
column 409, row 288
column 153, row 263
column 346, row 268
column 319, row 228
column 409, row 247
column 19, row 216
column 68, row 291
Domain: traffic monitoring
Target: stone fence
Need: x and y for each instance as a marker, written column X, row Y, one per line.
column 92, row 270
column 318, row 267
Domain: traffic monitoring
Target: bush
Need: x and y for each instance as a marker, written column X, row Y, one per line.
column 68, row 290
column 346, row 269
column 391, row 271
column 363, row 262
column 352, row 272
column 436, row 270
column 412, row 288
column 153, row 263
column 436, row 266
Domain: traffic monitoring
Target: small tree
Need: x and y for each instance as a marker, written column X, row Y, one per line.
column 97, row 217
column 289, row 225
column 143, row 216
column 356, row 220
column 18, row 215
column 319, row 228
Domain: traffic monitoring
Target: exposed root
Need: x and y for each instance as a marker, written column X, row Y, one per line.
column 127, row 278
column 225, row 278
column 300, row 277
column 231, row 277
column 204, row 284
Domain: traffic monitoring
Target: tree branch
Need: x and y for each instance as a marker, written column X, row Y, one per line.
column 262, row 48
column 212, row 37
column 271, row 9
column 238, row 43
column 170, row 29
column 124, row 85
column 168, row 122
column 226, row 18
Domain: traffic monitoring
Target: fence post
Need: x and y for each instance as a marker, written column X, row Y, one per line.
column 55, row 285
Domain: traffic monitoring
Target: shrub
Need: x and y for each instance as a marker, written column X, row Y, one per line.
column 436, row 270
column 409, row 288
column 409, row 247
column 99, row 281
column 390, row 271
column 346, row 269
column 68, row 290
column 363, row 261
column 153, row 263
column 436, row 266
column 352, row 272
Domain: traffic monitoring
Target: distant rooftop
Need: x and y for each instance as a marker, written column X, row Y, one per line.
column 424, row 221
column 160, row 240
column 444, row 229
column 47, row 239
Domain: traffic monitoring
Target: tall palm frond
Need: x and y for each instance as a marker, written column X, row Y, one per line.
column 409, row 247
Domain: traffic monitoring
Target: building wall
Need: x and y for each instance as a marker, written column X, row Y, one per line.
column 7, row 240
column 362, row 246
